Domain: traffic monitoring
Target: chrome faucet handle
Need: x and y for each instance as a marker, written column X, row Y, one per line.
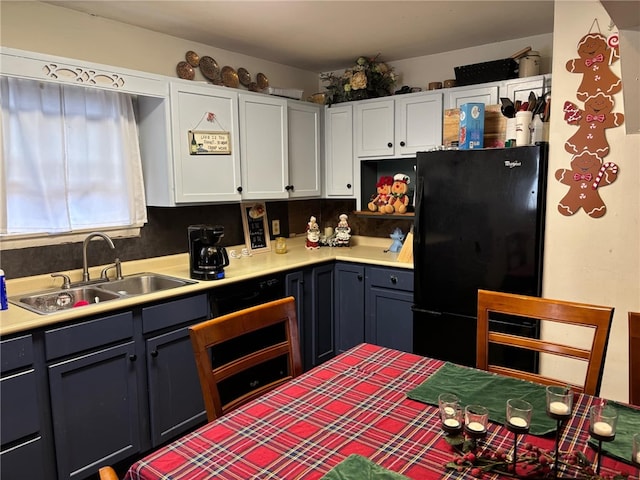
column 66, row 281
column 118, row 267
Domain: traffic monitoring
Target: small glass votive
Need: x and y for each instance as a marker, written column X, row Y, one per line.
column 635, row 453
column 450, row 412
column 518, row 415
column 281, row 245
column 559, row 402
column 602, row 422
column 476, row 418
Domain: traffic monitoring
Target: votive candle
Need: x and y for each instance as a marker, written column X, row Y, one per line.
column 449, row 411
column 475, row 426
column 452, row 423
column 518, row 422
column 603, row 429
column 559, row 408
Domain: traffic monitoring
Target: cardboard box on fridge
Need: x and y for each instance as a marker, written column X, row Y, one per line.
column 495, row 125
column 471, row 126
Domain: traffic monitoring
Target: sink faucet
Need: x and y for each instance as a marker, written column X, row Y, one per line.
column 85, row 244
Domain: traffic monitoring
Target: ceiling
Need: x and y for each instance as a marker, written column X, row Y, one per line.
column 324, row 35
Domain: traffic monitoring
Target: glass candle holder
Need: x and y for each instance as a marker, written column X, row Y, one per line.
column 559, row 402
column 635, row 453
column 450, row 413
column 518, row 415
column 476, row 418
column 602, row 422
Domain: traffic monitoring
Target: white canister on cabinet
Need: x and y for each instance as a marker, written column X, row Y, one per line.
column 529, row 64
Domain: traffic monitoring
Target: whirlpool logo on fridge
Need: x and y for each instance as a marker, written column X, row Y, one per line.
column 512, row 164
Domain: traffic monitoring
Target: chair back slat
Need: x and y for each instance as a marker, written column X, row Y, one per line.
column 208, row 335
column 594, row 317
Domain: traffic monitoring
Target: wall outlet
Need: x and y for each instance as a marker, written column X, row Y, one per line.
column 275, row 227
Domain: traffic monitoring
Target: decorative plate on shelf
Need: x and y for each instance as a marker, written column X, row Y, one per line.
column 244, row 76
column 229, row 77
column 184, row 70
column 210, row 69
column 262, row 80
column 192, row 58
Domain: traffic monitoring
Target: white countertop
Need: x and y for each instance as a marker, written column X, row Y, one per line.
column 369, row 250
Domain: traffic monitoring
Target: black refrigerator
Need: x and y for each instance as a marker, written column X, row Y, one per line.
column 479, row 224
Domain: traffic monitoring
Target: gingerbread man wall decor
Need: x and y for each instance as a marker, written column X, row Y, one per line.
column 596, row 55
column 587, row 174
column 591, row 122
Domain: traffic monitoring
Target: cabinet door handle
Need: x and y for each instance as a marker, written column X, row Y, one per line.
column 389, row 144
column 394, row 279
column 133, row 357
column 359, row 277
column 402, row 144
column 348, row 185
column 239, row 189
column 289, row 188
column 154, row 353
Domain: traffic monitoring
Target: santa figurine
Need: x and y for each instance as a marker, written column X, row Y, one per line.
column 313, row 234
column 343, row 232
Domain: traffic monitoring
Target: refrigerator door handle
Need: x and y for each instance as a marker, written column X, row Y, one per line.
column 417, row 231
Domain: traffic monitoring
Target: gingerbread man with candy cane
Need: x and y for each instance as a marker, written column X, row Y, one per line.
column 596, row 54
column 592, row 123
column 587, row 174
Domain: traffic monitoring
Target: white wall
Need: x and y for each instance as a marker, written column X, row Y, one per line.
column 593, row 260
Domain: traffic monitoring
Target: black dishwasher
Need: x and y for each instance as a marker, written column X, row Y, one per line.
column 237, row 296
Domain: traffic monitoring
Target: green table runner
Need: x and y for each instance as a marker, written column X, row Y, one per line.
column 478, row 387
column 357, row 467
column 628, row 424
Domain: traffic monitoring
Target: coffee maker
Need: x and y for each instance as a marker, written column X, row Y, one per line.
column 207, row 259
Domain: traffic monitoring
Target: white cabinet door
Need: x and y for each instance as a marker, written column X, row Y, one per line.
column 304, row 149
column 339, row 160
column 374, row 126
column 198, row 177
column 418, row 123
column 519, row 88
column 487, row 94
column 263, row 147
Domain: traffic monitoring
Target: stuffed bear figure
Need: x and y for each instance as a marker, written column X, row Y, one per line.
column 380, row 201
column 399, row 193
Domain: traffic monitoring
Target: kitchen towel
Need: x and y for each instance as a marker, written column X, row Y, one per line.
column 357, row 467
column 628, row 424
column 478, row 387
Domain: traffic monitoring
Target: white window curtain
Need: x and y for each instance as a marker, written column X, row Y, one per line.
column 71, row 160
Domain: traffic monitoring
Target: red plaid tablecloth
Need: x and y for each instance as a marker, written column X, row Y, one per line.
column 354, row 403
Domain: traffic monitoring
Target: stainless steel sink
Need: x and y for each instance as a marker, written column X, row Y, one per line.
column 52, row 301
column 142, row 283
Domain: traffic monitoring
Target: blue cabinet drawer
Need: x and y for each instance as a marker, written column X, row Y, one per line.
column 88, row 335
column 175, row 312
column 396, row 279
column 16, row 353
column 19, row 415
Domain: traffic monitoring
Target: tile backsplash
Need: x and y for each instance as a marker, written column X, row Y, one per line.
column 166, row 233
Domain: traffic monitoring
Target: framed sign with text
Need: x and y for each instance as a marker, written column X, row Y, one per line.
column 209, row 143
column 256, row 226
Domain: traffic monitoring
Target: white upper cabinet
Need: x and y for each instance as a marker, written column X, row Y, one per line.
column 519, row 88
column 305, row 144
column 204, row 177
column 395, row 127
column 487, row 94
column 264, row 147
column 339, row 178
column 418, row 123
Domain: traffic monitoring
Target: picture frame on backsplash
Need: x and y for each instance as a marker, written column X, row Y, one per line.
column 255, row 226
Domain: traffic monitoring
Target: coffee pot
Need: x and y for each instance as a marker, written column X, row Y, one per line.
column 207, row 259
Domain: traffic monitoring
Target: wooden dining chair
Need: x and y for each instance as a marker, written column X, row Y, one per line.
column 107, row 473
column 634, row 358
column 224, row 353
column 593, row 317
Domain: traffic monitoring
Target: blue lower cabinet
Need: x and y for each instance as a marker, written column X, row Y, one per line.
column 349, row 305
